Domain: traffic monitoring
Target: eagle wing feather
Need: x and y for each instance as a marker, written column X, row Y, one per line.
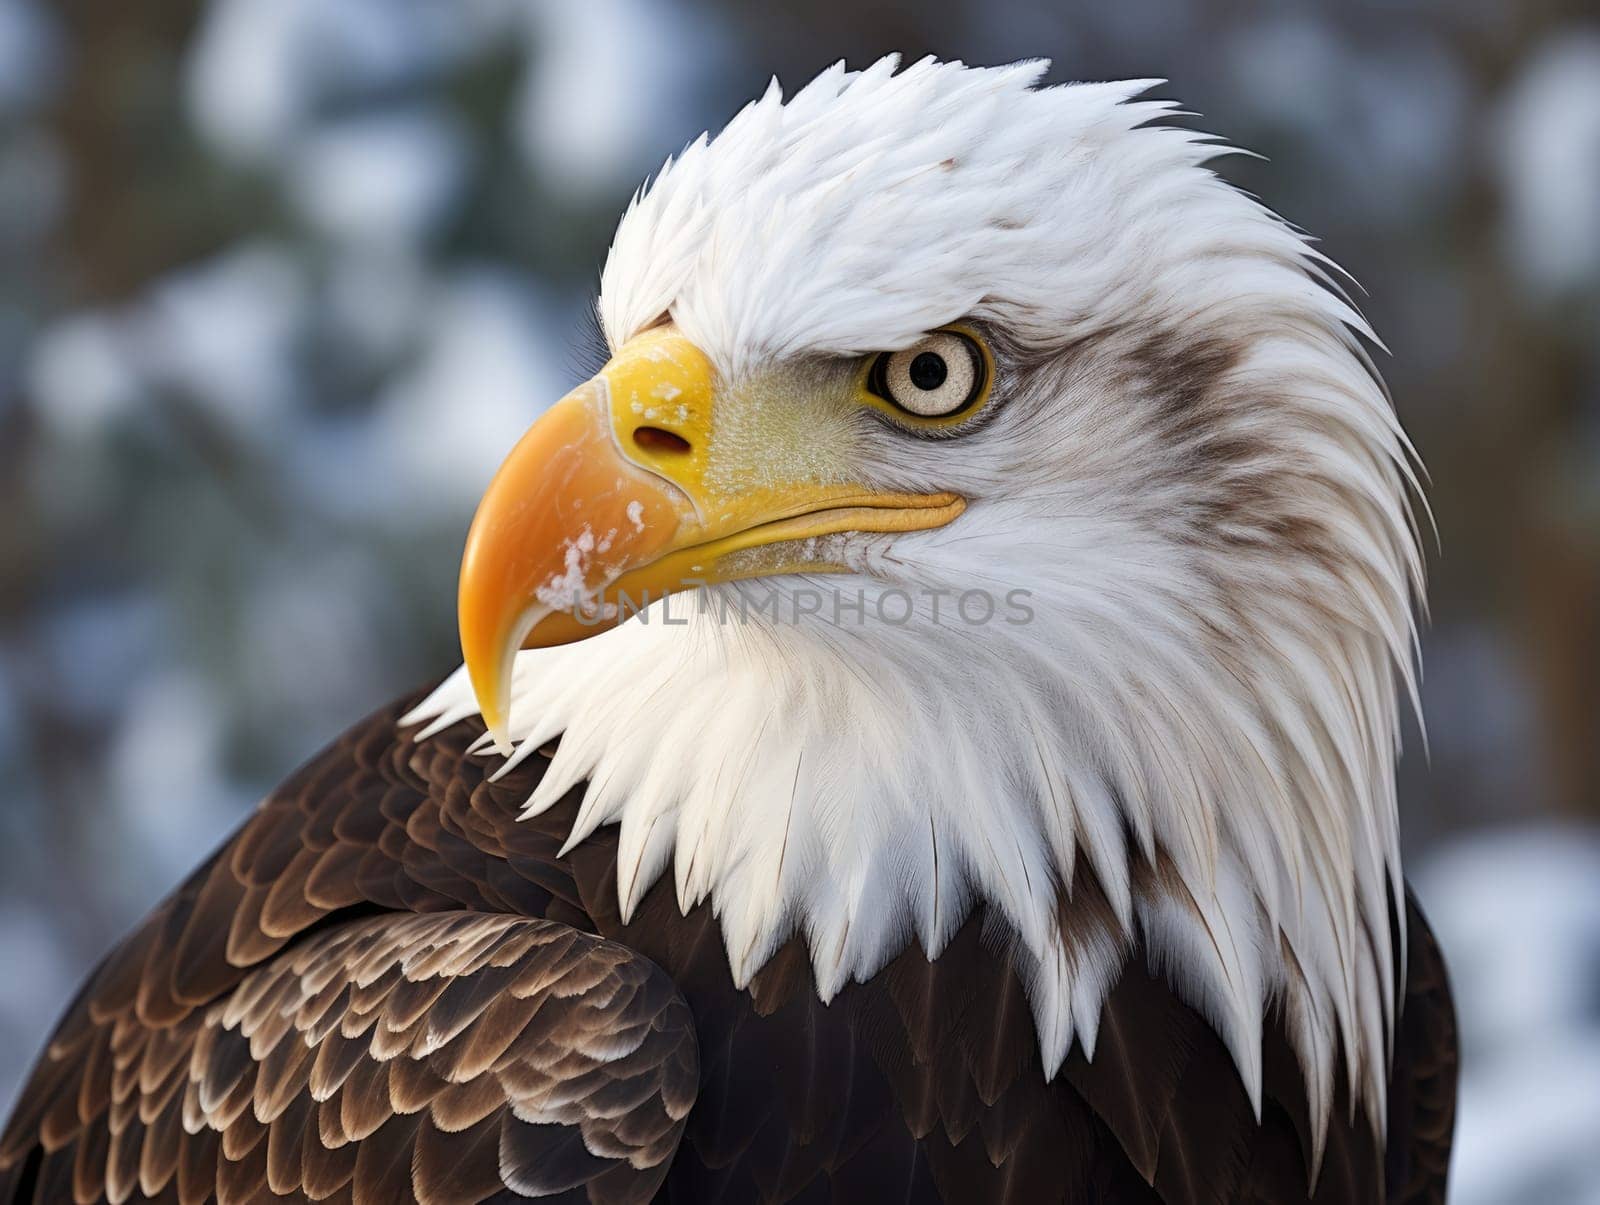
column 360, row 997
column 435, row 1057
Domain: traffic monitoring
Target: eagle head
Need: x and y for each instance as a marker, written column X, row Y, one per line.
column 983, row 503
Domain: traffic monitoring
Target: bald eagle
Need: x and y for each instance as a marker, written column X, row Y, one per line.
column 927, row 733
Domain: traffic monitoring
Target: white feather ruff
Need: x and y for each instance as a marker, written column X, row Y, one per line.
column 1204, row 709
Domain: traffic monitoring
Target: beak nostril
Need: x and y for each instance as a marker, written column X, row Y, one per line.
column 654, row 439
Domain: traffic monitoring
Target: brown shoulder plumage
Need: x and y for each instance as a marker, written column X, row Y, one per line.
column 432, row 1057
column 350, row 1002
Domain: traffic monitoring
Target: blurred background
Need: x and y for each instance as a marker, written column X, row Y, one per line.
column 282, row 280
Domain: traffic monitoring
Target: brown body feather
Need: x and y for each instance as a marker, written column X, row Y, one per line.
column 386, row 987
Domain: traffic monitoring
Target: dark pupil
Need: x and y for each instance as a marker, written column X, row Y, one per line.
column 928, row 371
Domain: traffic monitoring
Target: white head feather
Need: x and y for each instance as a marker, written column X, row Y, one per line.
column 1196, row 479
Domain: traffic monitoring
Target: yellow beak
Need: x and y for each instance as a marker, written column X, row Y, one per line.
column 621, row 495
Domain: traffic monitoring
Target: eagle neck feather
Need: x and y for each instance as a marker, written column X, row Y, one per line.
column 837, row 783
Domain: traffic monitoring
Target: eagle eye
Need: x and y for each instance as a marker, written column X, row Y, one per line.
column 942, row 376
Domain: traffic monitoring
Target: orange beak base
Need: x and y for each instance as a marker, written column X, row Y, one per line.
column 564, row 517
